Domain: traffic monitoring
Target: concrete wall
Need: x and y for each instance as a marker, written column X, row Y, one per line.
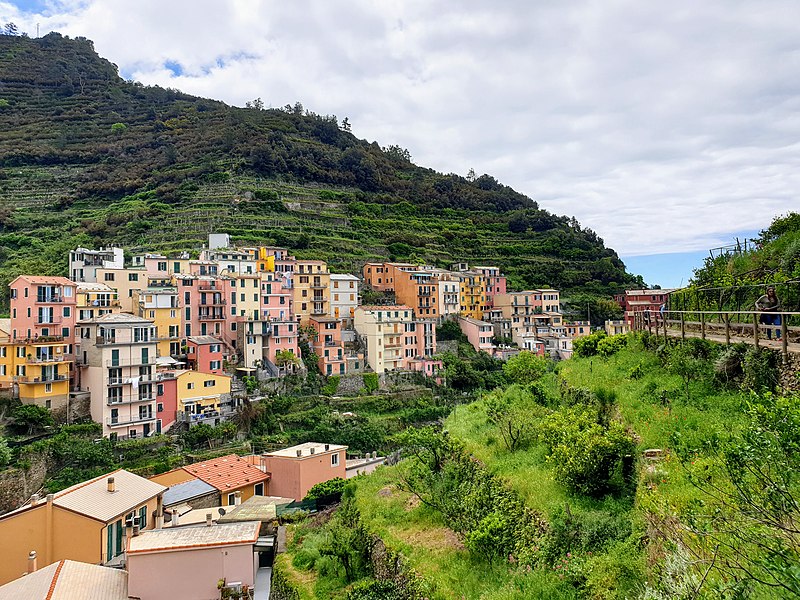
column 189, row 574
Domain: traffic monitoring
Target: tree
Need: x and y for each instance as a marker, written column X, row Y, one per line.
column 512, row 412
column 256, row 104
column 285, row 359
column 526, row 367
column 327, row 489
column 5, row 452
column 346, row 125
column 396, row 152
column 746, row 527
column 10, row 29
column 30, row 418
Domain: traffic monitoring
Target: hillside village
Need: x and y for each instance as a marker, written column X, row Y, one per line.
column 166, row 340
column 157, row 344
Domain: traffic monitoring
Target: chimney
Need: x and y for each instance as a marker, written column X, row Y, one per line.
column 237, row 498
column 299, row 452
column 327, row 447
column 175, row 517
column 111, row 485
column 209, row 521
column 32, row 566
column 35, row 500
column 263, row 461
column 311, row 450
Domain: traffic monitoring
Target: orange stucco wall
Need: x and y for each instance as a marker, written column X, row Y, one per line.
column 172, row 477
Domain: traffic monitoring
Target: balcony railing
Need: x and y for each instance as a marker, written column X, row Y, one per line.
column 49, row 299
column 212, row 317
column 131, row 362
column 37, row 360
column 214, row 302
column 120, row 421
column 41, row 379
column 131, row 399
column 44, row 322
column 319, row 285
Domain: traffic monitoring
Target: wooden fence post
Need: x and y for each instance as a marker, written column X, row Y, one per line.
column 727, row 318
column 784, row 339
column 683, row 327
column 703, row 325
column 755, row 329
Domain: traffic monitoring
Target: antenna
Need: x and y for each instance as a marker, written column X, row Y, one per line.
column 37, row 30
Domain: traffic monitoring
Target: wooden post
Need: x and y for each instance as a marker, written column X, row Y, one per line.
column 703, row 325
column 784, row 339
column 755, row 329
column 727, row 318
column 683, row 327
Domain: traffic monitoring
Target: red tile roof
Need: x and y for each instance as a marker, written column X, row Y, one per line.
column 227, row 473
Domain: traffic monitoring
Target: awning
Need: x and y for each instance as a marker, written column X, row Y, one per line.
column 166, row 361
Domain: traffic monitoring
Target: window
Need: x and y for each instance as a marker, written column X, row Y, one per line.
column 48, row 388
column 214, row 348
column 335, row 459
column 133, row 277
column 215, row 365
column 143, row 517
column 20, row 351
column 67, row 312
column 258, row 489
column 160, row 392
column 190, row 386
column 162, row 266
column 231, row 499
column 108, row 277
column 209, row 383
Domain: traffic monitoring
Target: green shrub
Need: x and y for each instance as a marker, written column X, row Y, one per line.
column 118, row 128
column 760, row 368
column 587, row 346
column 608, row 346
column 371, row 382
column 329, row 389
column 328, row 490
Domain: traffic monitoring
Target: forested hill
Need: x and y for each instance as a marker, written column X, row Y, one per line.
column 86, row 157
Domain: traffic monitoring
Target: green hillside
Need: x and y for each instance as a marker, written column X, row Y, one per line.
column 86, row 157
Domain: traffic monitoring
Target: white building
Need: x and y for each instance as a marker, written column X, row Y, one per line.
column 344, row 297
column 83, row 263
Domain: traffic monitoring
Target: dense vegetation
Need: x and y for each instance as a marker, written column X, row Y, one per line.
column 87, row 158
column 643, row 469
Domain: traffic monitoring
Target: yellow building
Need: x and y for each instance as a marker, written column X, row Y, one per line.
column 311, row 284
column 125, row 281
column 203, row 397
column 161, row 305
column 95, row 300
column 85, row 522
column 35, row 370
column 473, row 294
column 245, row 296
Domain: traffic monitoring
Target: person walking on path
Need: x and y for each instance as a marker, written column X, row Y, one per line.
column 769, row 305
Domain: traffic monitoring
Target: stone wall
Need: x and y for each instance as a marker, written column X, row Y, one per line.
column 18, row 485
column 789, row 373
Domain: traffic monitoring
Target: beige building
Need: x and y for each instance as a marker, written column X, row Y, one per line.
column 116, row 354
column 344, row 297
column 162, row 306
column 311, row 284
column 85, row 522
column 383, row 330
column 95, row 300
column 125, row 281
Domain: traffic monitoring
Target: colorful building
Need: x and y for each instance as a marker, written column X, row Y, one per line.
column 344, row 297
column 85, row 522
column 494, row 283
column 311, row 285
column 479, row 333
column 328, row 345
column 117, row 357
column 125, row 281
column 419, row 290
column 636, row 301
column 383, row 330
column 204, row 353
column 83, row 263
column 297, row 469
column 161, row 306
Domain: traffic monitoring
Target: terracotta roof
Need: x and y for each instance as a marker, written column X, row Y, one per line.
column 194, row 536
column 69, row 580
column 45, row 279
column 227, row 473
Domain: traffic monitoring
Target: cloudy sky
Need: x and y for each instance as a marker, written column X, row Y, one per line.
column 667, row 127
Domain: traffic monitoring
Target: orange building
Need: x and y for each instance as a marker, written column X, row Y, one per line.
column 419, row 290
column 85, row 522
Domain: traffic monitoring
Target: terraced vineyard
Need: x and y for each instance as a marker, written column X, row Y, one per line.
column 87, row 158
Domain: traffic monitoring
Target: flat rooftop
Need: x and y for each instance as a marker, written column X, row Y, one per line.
column 195, row 536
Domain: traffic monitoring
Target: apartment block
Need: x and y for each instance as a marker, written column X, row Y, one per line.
column 96, row 300
column 449, row 290
column 204, row 302
column 328, row 345
column 162, row 306
column 83, row 263
column 419, row 290
column 311, row 285
column 380, row 276
column 494, row 283
column 383, row 329
column 479, row 333
column 125, row 281
column 204, row 354
column 473, row 297
column 344, row 297
column 635, row 301
column 117, row 358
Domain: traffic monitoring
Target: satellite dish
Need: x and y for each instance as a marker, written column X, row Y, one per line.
column 221, row 512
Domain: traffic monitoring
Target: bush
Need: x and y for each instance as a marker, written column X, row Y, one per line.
column 329, row 389
column 5, row 452
column 330, row 491
column 371, row 382
column 587, row 346
column 608, row 346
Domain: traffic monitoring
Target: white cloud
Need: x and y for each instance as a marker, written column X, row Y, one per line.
column 663, row 127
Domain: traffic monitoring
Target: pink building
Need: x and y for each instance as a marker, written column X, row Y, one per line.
column 479, row 333
column 427, row 366
column 43, row 306
column 205, row 308
column 634, row 301
column 186, row 563
column 204, row 353
column 166, row 401
column 297, row 469
column 328, row 345
column 494, row 282
column 276, row 297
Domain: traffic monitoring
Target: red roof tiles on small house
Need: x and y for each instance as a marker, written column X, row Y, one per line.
column 227, row 472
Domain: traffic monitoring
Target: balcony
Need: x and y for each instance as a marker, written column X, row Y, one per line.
column 49, row 299
column 214, row 302
column 212, row 317
column 43, row 379
column 318, row 285
column 38, row 360
column 318, row 311
column 131, row 362
column 132, row 420
column 54, row 320
column 133, row 399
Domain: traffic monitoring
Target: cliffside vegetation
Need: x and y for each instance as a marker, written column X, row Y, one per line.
column 87, row 158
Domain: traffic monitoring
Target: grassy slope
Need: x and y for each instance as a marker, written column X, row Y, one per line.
column 435, row 553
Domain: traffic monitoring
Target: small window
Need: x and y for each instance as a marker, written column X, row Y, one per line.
column 108, row 277
column 190, row 386
column 258, row 489
column 133, row 277
column 335, row 459
column 231, row 499
column 209, row 383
